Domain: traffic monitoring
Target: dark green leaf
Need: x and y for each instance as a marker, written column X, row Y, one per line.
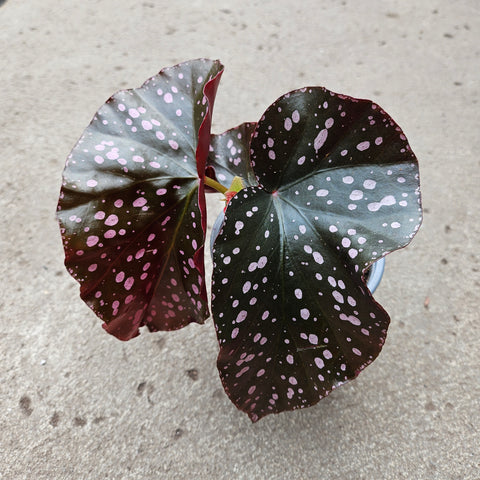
column 338, row 189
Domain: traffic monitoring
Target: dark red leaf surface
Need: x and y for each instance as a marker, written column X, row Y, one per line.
column 132, row 206
column 338, row 189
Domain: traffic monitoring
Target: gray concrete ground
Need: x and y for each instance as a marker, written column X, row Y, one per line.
column 77, row 404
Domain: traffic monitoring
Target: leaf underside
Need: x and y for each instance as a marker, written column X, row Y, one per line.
column 132, row 208
column 337, row 189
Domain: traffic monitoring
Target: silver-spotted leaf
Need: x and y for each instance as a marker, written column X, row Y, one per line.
column 132, row 206
column 338, row 189
column 229, row 155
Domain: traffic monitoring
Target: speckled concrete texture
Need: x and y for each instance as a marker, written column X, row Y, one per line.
column 77, row 404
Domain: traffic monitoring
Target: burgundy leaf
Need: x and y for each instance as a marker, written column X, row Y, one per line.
column 132, row 206
column 338, row 189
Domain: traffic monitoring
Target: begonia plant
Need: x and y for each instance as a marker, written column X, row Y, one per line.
column 316, row 191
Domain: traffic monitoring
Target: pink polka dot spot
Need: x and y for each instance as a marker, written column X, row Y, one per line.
column 92, row 240
column 363, row 146
column 111, row 220
column 113, row 154
column 139, row 202
column 129, row 283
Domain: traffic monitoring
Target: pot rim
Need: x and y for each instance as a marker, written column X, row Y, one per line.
column 375, row 274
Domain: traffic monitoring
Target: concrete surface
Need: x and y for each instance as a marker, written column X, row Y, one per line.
column 77, row 404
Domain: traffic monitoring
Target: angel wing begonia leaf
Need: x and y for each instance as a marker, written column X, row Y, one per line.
column 229, row 155
column 132, row 206
column 338, row 189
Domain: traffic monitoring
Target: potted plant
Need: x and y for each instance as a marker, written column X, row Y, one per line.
column 321, row 187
